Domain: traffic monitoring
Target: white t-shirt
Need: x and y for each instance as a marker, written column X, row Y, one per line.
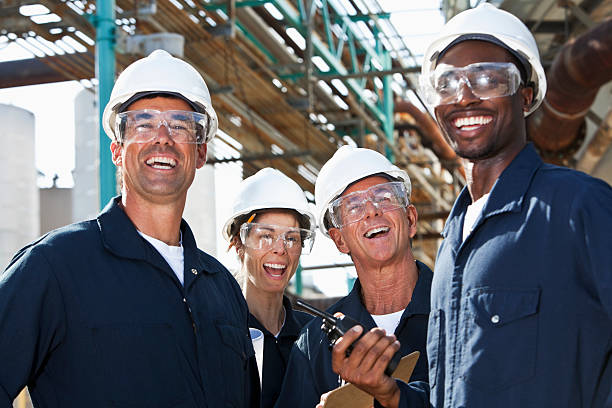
column 472, row 214
column 389, row 322
column 172, row 254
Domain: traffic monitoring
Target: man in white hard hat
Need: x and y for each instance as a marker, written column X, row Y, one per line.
column 363, row 204
column 124, row 310
column 522, row 291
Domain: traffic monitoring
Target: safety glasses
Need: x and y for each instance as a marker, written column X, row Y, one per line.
column 486, row 80
column 267, row 236
column 143, row 126
column 351, row 208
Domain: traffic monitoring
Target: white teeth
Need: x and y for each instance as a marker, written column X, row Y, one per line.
column 160, row 162
column 275, row 266
column 472, row 121
column 376, row 230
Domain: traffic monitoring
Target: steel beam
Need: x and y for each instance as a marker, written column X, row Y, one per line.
column 104, row 22
column 293, row 17
column 38, row 71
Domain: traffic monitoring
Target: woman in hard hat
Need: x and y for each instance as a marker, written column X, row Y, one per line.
column 270, row 228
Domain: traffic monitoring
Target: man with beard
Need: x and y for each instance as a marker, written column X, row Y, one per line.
column 522, row 290
column 124, row 310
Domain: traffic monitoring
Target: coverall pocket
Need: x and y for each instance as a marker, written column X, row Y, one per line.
column 434, row 344
column 140, row 366
column 237, row 340
column 500, row 335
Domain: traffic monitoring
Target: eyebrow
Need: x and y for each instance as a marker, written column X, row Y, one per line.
column 143, row 115
column 180, row 116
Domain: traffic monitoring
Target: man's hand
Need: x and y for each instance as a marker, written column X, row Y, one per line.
column 365, row 367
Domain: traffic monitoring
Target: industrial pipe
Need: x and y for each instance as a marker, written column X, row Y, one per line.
column 430, row 130
column 578, row 71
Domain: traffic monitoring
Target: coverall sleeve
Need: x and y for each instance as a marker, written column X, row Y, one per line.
column 298, row 389
column 32, row 321
column 591, row 221
column 413, row 395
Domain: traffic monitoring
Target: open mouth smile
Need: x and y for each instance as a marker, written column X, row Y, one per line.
column 161, row 162
column 376, row 232
column 275, row 270
column 471, row 122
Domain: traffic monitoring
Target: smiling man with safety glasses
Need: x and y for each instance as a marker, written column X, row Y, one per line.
column 124, row 309
column 363, row 206
column 521, row 296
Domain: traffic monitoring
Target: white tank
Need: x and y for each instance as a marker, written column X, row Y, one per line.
column 85, row 193
column 19, row 203
column 200, row 208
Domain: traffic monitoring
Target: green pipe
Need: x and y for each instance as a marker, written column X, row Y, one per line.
column 294, row 19
column 104, row 23
column 298, row 280
column 388, row 125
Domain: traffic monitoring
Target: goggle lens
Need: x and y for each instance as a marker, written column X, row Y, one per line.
column 143, row 126
column 267, row 236
column 351, row 208
column 485, row 80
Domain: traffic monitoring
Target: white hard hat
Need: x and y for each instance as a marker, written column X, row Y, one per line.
column 488, row 23
column 161, row 73
column 267, row 189
column 348, row 165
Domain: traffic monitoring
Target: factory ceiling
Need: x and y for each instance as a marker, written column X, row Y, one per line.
column 291, row 80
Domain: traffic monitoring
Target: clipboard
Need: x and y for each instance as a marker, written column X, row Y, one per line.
column 349, row 396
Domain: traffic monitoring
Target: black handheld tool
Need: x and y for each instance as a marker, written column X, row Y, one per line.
column 335, row 327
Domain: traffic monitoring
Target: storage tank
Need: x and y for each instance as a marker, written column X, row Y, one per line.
column 85, row 193
column 19, row 203
column 200, row 207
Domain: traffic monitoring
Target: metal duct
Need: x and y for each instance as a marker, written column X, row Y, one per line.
column 578, row 71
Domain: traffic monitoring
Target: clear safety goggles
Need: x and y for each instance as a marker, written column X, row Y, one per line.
column 351, row 208
column 267, row 236
column 143, row 126
column 486, row 80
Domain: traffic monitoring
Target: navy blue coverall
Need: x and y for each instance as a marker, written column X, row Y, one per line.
column 91, row 315
column 309, row 372
column 522, row 309
column 277, row 349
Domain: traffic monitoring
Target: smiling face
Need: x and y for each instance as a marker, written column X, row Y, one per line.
column 378, row 238
column 160, row 170
column 270, row 270
column 482, row 129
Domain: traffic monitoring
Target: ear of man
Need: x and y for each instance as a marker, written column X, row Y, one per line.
column 116, row 153
column 336, row 236
column 412, row 215
column 201, row 152
column 526, row 97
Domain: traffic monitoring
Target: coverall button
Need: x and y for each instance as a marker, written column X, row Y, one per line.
column 495, row 319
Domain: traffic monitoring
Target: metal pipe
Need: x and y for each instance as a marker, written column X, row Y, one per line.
column 105, row 72
column 581, row 67
column 430, row 130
